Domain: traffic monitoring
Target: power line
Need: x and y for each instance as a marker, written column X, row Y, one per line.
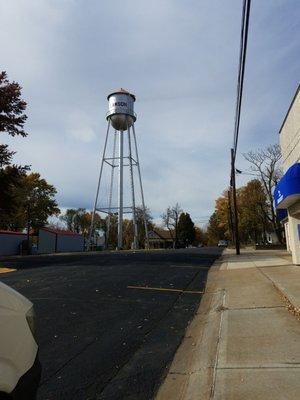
column 241, row 73
column 240, row 86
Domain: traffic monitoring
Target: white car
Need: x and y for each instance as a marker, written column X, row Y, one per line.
column 20, row 369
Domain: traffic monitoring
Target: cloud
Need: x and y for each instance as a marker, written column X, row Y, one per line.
column 77, row 126
column 179, row 58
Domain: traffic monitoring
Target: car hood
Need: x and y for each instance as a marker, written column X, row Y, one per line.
column 12, row 300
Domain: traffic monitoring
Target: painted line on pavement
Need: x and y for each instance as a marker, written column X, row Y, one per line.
column 191, row 266
column 165, row 289
column 4, row 270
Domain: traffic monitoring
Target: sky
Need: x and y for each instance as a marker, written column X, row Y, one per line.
column 180, row 59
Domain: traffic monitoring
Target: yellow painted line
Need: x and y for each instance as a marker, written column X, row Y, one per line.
column 191, row 266
column 165, row 289
column 6, row 270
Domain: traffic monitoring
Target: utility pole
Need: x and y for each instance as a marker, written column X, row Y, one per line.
column 230, row 220
column 28, row 224
column 235, row 211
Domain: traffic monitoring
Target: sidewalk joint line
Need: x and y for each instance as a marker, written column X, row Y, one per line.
column 287, row 366
column 272, row 266
column 254, row 308
column 215, row 367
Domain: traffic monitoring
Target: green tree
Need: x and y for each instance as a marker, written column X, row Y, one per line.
column 33, row 200
column 215, row 229
column 11, row 181
column 12, row 107
column 38, row 201
column 12, row 120
column 127, row 234
column 79, row 220
column 5, row 156
column 82, row 221
column 129, row 231
column 186, row 229
column 253, row 208
column 26, row 200
column 111, row 230
column 68, row 219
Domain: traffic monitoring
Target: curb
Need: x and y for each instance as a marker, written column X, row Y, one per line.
column 191, row 374
column 292, row 308
column 77, row 253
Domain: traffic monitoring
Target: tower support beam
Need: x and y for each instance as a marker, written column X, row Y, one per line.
column 141, row 187
column 120, row 215
column 113, row 166
column 98, row 188
column 134, row 221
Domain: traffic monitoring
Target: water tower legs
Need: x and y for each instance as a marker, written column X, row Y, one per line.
column 135, row 228
column 117, row 161
column 142, row 191
column 112, row 174
column 120, row 206
column 98, row 188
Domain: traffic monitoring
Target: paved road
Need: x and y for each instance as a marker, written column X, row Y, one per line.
column 100, row 339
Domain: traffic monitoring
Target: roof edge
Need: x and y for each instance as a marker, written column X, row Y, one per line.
column 4, row 232
column 60, row 232
column 289, row 109
column 121, row 91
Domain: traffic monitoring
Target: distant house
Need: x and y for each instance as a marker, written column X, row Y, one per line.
column 59, row 241
column 10, row 242
column 160, row 239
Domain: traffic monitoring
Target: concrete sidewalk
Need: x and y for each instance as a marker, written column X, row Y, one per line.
column 244, row 342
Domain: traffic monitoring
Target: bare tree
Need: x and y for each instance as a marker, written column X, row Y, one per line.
column 170, row 220
column 266, row 164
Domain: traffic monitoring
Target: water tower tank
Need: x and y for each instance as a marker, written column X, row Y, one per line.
column 121, row 109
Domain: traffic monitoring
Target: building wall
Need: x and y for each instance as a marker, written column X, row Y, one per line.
column 10, row 243
column 51, row 242
column 67, row 243
column 290, row 134
column 46, row 243
column 290, row 148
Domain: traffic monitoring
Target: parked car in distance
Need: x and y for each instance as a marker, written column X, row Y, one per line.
column 20, row 369
column 222, row 243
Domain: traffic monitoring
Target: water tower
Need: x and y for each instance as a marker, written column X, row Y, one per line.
column 121, row 117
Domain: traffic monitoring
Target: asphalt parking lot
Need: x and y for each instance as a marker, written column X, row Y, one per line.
column 109, row 324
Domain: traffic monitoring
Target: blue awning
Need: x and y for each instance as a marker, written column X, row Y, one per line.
column 287, row 191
